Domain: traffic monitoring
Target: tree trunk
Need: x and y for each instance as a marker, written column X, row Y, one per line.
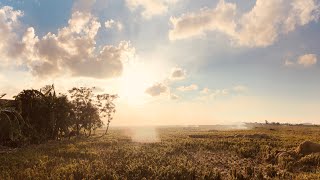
column 107, row 128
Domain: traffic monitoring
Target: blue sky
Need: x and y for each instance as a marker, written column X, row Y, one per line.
column 224, row 61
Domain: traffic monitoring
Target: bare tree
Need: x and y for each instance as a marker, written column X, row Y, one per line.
column 107, row 107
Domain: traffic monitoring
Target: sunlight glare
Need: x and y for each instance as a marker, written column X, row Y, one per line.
column 133, row 83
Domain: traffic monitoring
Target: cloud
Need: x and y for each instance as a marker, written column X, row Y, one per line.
column 302, row 12
column 71, row 51
column 219, row 92
column 164, row 88
column 205, row 91
column 174, row 96
column 157, row 89
column 192, row 87
column 150, row 8
column 259, row 27
column 306, row 60
column 288, row 62
column 177, row 74
column 10, row 47
column 196, row 24
column 208, row 94
column 110, row 24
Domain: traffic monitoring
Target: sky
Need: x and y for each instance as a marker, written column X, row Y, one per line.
column 172, row 62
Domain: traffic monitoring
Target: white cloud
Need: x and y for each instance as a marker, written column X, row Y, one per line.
column 307, row 60
column 220, row 18
column 178, row 74
column 72, row 51
column 157, row 89
column 150, row 8
column 164, row 88
column 192, row 87
column 259, row 27
column 205, row 91
column 10, row 47
column 110, row 24
column 288, row 62
column 302, row 12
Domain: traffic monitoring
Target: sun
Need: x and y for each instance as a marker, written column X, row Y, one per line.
column 135, row 80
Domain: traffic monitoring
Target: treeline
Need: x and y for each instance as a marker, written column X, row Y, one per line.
column 35, row 116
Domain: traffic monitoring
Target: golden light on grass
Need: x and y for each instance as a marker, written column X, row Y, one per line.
column 145, row 134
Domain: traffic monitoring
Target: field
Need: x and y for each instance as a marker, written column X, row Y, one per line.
column 205, row 152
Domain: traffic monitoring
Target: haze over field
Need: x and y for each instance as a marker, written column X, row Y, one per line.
column 170, row 61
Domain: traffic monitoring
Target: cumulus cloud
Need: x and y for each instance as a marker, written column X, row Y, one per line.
column 259, row 27
column 192, row 87
column 157, row 89
column 220, row 18
column 150, row 8
column 305, row 60
column 178, row 74
column 111, row 24
column 71, row 51
column 10, row 47
column 164, row 88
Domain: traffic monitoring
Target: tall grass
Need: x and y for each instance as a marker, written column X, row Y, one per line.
column 178, row 155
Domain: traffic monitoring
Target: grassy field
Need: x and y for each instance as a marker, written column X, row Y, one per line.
column 261, row 152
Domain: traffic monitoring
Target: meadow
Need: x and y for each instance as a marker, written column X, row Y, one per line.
column 205, row 152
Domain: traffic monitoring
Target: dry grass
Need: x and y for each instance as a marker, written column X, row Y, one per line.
column 264, row 152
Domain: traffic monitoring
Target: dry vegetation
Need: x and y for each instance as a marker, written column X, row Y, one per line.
column 263, row 152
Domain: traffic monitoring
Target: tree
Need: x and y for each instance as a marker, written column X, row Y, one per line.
column 49, row 96
column 11, row 123
column 40, row 115
column 107, row 107
column 35, row 111
column 61, row 115
column 90, row 109
column 63, row 110
column 48, row 115
column 91, row 117
column 86, row 112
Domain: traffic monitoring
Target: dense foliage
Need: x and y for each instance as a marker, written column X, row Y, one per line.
column 37, row 116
